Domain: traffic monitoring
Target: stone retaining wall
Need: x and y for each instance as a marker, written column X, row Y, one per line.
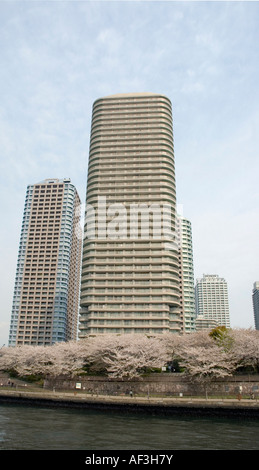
column 159, row 384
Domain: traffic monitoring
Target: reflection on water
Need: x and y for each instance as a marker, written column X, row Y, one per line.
column 26, row 428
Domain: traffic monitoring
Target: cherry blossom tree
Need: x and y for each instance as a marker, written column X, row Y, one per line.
column 205, row 363
column 64, row 359
column 201, row 362
column 10, row 359
column 245, row 348
column 115, row 355
column 203, row 356
column 133, row 354
column 123, row 355
column 26, row 360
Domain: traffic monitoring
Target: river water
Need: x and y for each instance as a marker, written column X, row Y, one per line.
column 37, row 428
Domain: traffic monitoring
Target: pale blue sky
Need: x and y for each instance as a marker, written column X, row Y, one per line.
column 57, row 57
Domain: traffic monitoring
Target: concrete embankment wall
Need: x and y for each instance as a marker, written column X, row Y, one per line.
column 168, row 385
column 170, row 394
column 196, row 407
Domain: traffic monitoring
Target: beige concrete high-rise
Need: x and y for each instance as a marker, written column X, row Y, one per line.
column 46, row 294
column 130, row 266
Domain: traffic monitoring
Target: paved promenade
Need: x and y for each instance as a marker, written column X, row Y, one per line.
column 43, row 397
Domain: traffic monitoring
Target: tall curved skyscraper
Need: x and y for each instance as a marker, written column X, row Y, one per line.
column 130, row 266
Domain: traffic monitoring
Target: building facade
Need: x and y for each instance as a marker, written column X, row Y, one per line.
column 186, row 273
column 47, row 285
column 202, row 323
column 130, row 266
column 255, row 298
column 211, row 297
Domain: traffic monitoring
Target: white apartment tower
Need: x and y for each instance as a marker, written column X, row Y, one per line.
column 211, row 296
column 187, row 273
column 46, row 294
column 255, row 298
column 130, row 267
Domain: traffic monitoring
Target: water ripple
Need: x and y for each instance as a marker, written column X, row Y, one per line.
column 26, row 428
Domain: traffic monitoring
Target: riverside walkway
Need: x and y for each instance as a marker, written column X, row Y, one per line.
column 169, row 405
